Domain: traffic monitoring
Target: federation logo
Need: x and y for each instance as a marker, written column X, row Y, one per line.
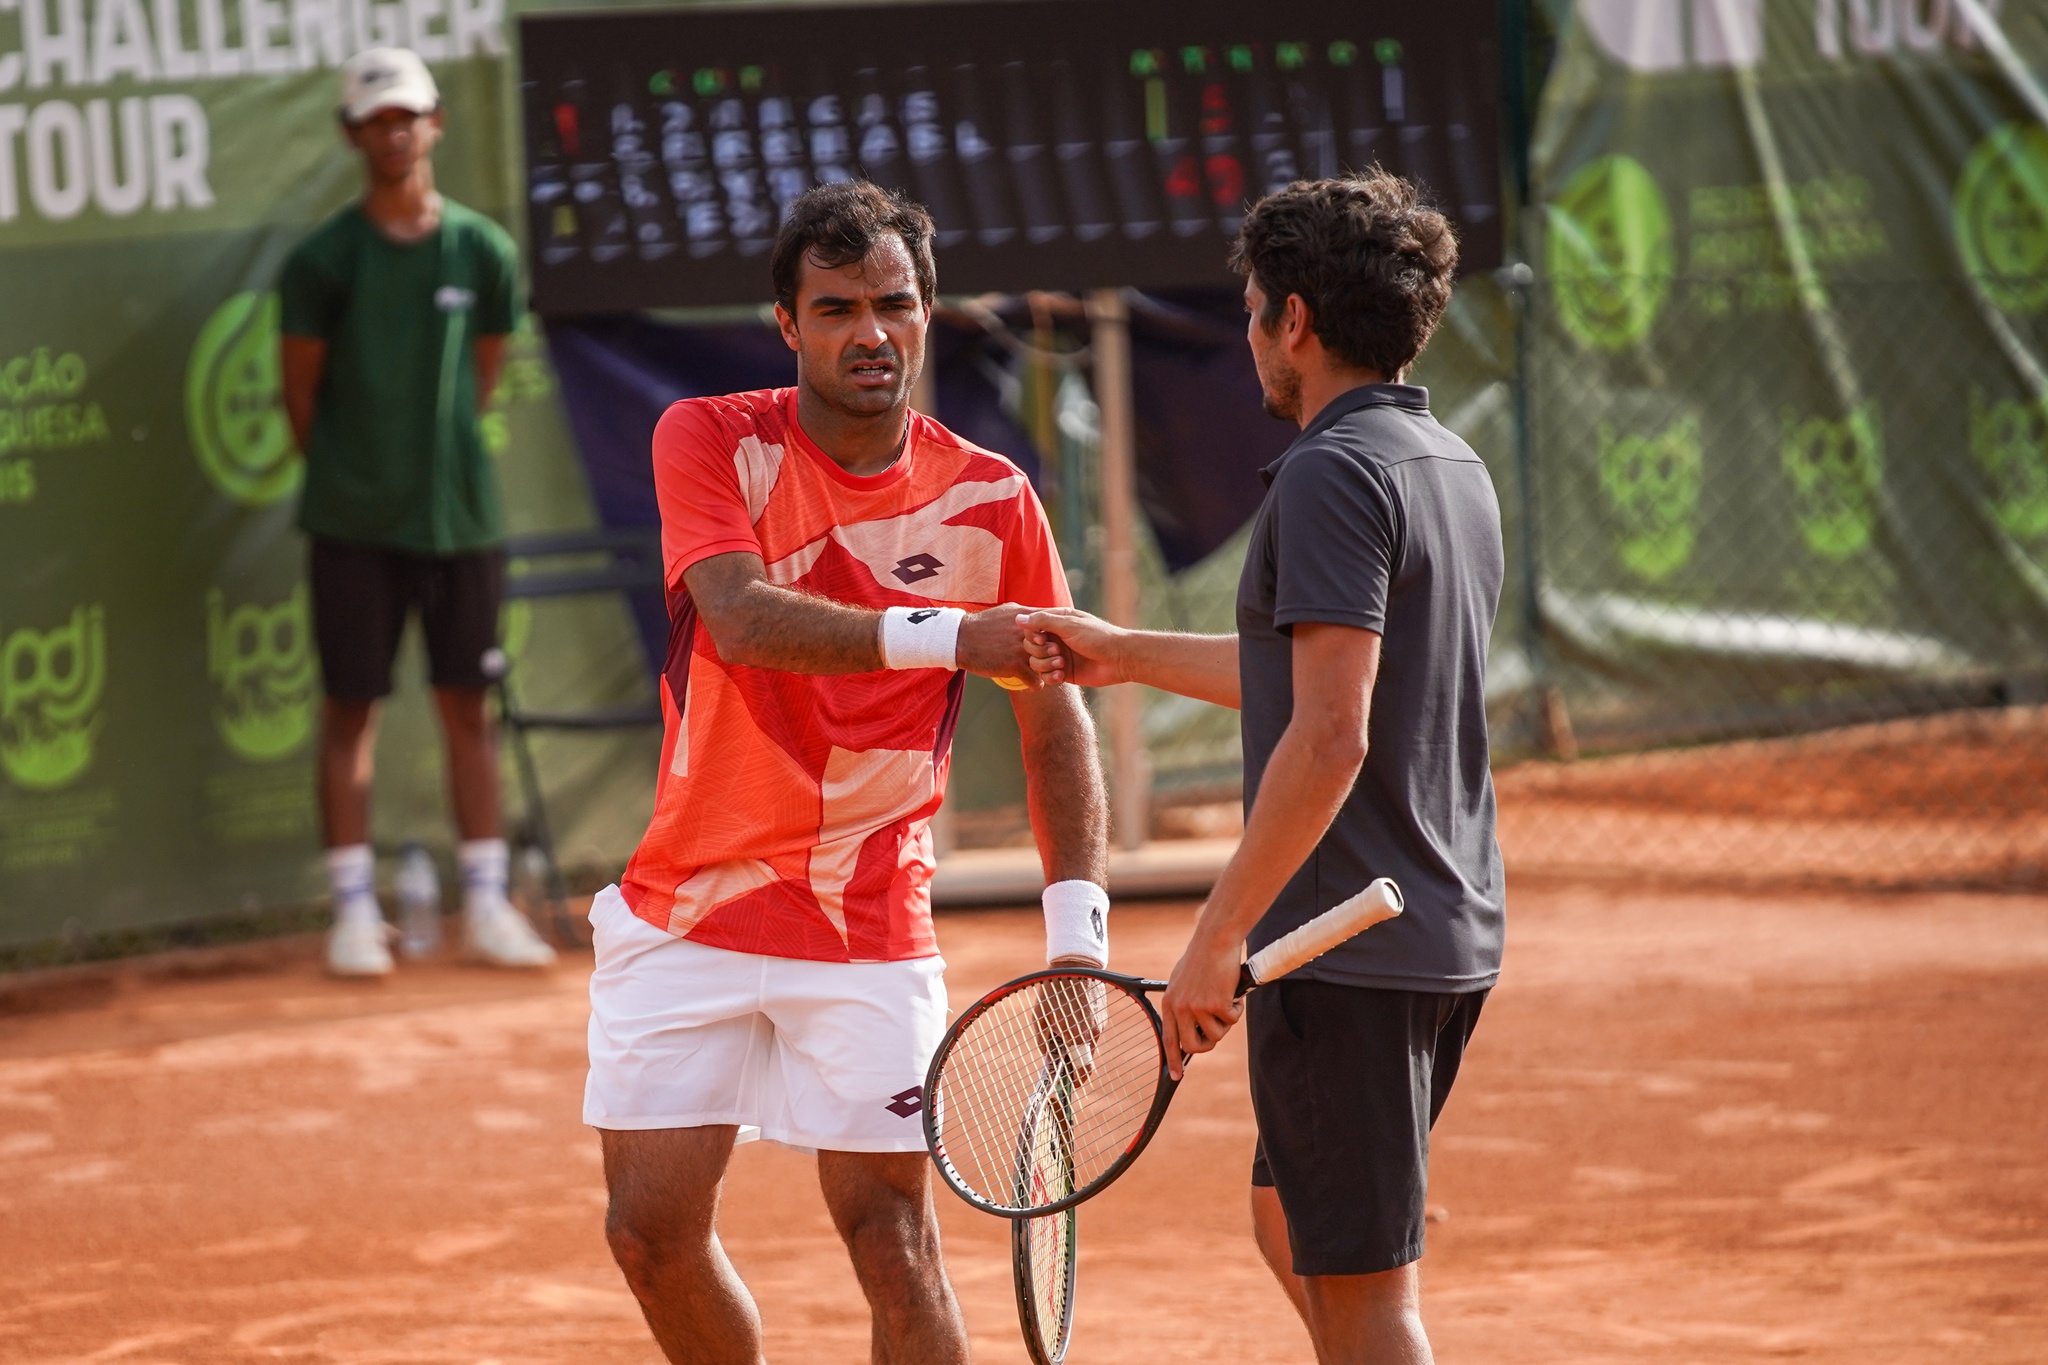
column 1652, row 486
column 1610, row 253
column 1837, row 473
column 50, row 686
column 2009, row 442
column 907, row 1102
column 2001, row 217
column 262, row 662
column 234, row 410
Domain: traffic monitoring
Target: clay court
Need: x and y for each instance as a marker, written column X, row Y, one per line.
column 1696, row 1127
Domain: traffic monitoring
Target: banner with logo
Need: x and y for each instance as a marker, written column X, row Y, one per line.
column 159, row 692
column 1789, row 384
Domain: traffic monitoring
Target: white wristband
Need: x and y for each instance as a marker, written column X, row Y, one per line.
column 921, row 637
column 1076, row 922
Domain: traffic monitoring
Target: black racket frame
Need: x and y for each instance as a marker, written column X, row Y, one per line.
column 1137, row 986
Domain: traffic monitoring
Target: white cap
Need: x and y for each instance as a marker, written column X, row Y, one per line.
column 386, row 78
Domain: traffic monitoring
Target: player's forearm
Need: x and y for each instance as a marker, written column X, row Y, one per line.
column 302, row 361
column 1063, row 784
column 766, row 626
column 490, row 363
column 1199, row 666
column 1311, row 772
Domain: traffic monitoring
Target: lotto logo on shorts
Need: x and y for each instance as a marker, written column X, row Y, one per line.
column 906, row 1103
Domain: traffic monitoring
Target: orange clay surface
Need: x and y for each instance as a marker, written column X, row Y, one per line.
column 1693, row 1128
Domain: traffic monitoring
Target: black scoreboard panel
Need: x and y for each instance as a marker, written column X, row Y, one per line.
column 1059, row 144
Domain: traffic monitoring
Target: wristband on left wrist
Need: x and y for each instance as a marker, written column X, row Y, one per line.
column 1076, row 921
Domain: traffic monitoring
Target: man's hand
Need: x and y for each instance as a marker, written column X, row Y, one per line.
column 992, row 643
column 1071, row 646
column 1067, row 645
column 1070, row 1015
column 1201, row 1003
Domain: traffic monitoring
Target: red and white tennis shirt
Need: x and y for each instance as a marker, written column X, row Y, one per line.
column 792, row 811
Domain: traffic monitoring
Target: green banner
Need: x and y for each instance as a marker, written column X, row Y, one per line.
column 159, row 691
column 1789, row 384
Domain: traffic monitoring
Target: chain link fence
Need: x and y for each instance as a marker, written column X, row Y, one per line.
column 1777, row 605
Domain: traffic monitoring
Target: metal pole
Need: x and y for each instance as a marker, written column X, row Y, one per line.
column 1130, row 778
column 924, row 398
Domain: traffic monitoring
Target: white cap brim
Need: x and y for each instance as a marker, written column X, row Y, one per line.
column 412, row 101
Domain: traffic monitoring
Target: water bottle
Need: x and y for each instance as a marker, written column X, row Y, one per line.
column 419, row 903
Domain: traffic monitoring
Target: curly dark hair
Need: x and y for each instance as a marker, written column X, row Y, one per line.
column 836, row 225
column 1368, row 254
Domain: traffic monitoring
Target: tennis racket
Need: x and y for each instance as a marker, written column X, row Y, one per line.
column 1042, row 1249
column 1077, row 1057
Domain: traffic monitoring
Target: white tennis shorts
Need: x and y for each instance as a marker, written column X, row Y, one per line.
column 827, row 1055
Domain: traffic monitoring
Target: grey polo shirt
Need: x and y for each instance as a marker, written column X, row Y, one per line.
column 1377, row 517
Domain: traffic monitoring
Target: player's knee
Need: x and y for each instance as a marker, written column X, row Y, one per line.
column 645, row 1242
column 464, row 708
column 346, row 721
column 1387, row 1295
column 890, row 1229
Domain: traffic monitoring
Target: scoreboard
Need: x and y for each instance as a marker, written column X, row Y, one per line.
column 1059, row 144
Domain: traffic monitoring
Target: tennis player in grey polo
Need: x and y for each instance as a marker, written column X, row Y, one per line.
column 1377, row 517
column 1368, row 594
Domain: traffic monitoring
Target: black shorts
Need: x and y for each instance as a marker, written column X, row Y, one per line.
column 362, row 595
column 1346, row 1083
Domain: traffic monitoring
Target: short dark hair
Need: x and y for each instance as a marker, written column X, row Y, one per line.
column 1368, row 254
column 836, row 225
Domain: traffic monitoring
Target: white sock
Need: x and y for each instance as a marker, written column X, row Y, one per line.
column 483, row 874
column 352, row 878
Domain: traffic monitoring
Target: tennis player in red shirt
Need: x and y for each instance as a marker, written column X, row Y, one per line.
column 766, row 967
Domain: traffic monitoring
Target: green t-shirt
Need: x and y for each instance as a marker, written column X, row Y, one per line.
column 396, row 456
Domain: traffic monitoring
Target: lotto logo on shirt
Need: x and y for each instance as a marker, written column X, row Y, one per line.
column 451, row 298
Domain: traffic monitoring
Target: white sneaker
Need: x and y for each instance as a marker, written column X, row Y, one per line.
column 501, row 937
column 359, row 945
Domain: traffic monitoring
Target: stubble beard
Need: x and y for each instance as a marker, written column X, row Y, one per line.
column 854, row 401
column 1280, row 394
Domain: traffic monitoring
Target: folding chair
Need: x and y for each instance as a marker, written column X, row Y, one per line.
column 601, row 561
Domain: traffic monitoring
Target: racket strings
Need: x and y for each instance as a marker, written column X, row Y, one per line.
column 1048, row 1242
column 999, row 1083
column 1049, row 1248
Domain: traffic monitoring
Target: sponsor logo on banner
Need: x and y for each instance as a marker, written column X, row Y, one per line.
column 234, row 406
column 1652, row 485
column 50, row 686
column 261, row 659
column 1885, row 28
column 2009, row 441
column 1610, row 253
column 93, row 145
column 1671, row 35
column 1836, row 468
column 44, row 407
column 1657, row 36
column 2001, row 217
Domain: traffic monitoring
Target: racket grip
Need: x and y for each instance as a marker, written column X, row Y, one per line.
column 1379, row 901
